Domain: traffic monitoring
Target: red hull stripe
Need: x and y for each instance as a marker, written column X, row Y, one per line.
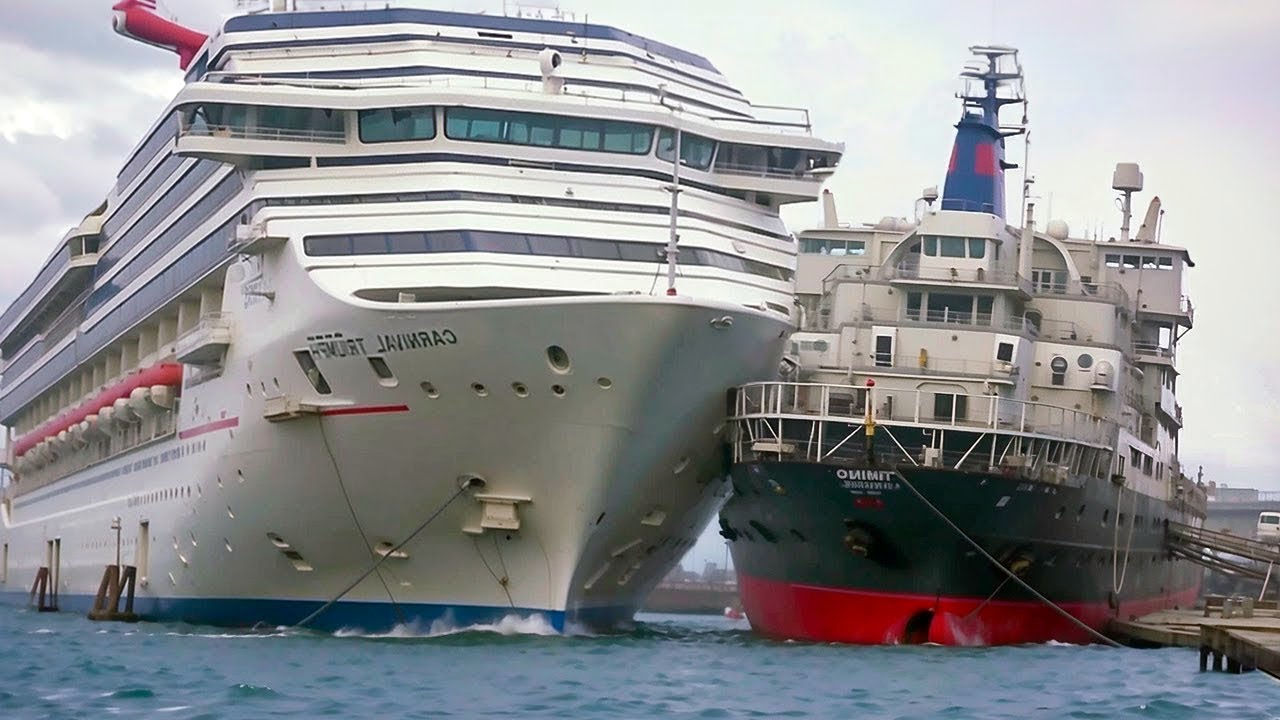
column 366, row 410
column 214, row 426
column 863, row 617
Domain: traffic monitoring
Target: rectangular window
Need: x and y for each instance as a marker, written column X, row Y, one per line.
column 913, row 305
column 884, row 351
column 1004, row 352
column 1265, row 520
column 1146, row 464
column 931, row 246
column 695, row 151
column 397, row 124
column 1166, row 263
column 977, row 248
column 1149, row 262
column 1131, row 262
column 1113, row 261
column 948, row 406
column 312, row 371
column 985, row 304
column 951, row 247
column 950, row 308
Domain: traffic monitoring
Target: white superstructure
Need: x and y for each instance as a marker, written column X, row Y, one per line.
column 387, row 254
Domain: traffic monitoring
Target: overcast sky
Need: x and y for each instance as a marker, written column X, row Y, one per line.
column 1184, row 87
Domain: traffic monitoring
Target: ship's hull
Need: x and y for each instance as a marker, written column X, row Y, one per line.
column 847, row 554
column 614, row 463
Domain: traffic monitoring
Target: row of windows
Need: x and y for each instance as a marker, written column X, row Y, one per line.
column 144, row 193
column 445, row 241
column 160, row 137
column 814, row 246
column 508, row 127
column 1146, row 262
column 954, row 247
column 196, row 215
column 518, row 128
column 55, row 265
column 445, row 195
column 161, row 210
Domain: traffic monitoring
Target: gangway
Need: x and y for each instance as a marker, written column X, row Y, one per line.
column 1224, row 552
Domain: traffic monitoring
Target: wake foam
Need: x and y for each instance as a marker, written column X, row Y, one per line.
column 509, row 625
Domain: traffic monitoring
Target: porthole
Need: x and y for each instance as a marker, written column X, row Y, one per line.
column 604, row 383
column 520, row 389
column 1085, row 361
column 479, row 389
column 558, row 390
column 558, row 359
column 429, row 389
column 1058, row 364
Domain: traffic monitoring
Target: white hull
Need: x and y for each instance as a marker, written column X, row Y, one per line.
column 599, row 465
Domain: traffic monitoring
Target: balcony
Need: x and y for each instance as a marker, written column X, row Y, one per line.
column 205, row 343
column 1152, row 353
column 912, row 274
column 928, row 365
column 949, row 319
column 236, row 143
column 1074, row 289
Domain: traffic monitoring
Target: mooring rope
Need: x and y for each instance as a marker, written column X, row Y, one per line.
column 465, row 487
column 942, row 516
column 1118, row 585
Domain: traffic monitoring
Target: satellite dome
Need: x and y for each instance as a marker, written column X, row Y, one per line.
column 1058, row 229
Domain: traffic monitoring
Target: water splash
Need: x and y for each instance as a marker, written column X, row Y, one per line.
column 510, row 625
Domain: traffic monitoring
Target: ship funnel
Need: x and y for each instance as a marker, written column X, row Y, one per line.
column 137, row 20
column 975, row 175
column 1150, row 223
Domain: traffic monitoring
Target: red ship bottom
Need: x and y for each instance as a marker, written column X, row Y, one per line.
column 809, row 612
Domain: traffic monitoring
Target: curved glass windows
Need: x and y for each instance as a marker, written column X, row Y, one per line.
column 441, row 241
column 397, row 124
column 520, row 128
column 695, row 151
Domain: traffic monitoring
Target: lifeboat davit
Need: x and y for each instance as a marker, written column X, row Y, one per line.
column 137, row 20
column 112, row 403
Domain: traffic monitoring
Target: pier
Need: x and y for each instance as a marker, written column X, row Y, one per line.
column 1243, row 632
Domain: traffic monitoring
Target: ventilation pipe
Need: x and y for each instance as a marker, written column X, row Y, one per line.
column 1027, row 242
column 829, row 219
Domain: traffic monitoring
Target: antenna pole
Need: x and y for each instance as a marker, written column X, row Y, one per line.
column 674, row 237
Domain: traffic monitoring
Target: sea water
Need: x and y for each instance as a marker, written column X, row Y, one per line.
column 64, row 666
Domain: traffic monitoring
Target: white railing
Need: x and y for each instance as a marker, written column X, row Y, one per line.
column 907, row 271
column 1152, row 350
column 931, row 365
column 847, row 404
column 586, row 95
column 1110, row 292
column 246, row 132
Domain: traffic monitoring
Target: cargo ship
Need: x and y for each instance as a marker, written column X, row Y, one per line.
column 977, row 443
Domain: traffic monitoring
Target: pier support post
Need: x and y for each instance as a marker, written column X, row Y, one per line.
column 1217, row 661
column 1204, row 658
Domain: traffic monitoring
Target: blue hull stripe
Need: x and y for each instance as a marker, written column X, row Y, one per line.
column 372, row 617
column 369, row 617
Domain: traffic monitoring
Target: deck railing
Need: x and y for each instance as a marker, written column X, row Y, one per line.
column 847, row 404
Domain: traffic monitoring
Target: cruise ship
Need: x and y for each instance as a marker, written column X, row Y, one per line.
column 979, row 444
column 401, row 316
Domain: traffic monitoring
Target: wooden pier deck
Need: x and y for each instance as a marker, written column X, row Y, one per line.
column 1243, row 632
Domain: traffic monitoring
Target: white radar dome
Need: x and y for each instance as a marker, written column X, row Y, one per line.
column 1058, row 229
